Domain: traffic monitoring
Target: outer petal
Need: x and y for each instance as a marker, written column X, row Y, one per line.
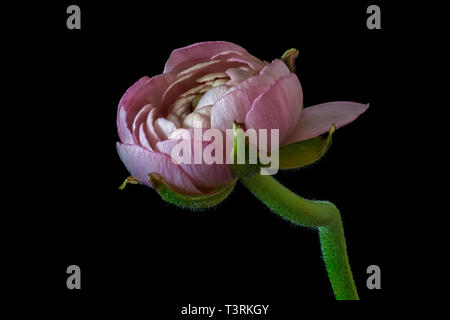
column 140, row 162
column 145, row 91
column 233, row 106
column 318, row 119
column 268, row 75
column 203, row 175
column 237, row 102
column 279, row 107
column 185, row 57
column 124, row 129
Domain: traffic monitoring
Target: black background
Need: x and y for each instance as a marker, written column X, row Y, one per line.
column 138, row 253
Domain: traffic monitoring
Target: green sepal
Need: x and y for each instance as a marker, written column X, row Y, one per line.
column 192, row 201
column 247, row 169
column 289, row 58
column 302, row 153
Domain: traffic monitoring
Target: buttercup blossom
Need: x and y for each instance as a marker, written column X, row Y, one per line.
column 212, row 85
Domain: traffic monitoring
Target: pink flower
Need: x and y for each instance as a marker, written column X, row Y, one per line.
column 212, row 85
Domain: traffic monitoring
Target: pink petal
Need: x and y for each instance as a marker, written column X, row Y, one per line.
column 211, row 96
column 318, row 119
column 237, row 102
column 196, row 120
column 125, row 131
column 206, row 110
column 140, row 162
column 211, row 76
column 180, row 133
column 268, row 75
column 238, row 75
column 188, row 81
column 182, row 106
column 149, row 127
column 279, row 107
column 125, row 134
column 143, row 139
column 203, row 175
column 164, row 127
column 138, row 120
column 185, row 57
column 233, row 106
column 145, row 91
column 243, row 57
column 196, row 67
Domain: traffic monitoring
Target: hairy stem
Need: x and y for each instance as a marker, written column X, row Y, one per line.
column 321, row 214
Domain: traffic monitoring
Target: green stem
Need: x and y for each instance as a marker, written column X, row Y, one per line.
column 321, row 214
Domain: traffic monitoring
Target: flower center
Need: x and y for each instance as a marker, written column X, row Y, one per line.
column 192, row 109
